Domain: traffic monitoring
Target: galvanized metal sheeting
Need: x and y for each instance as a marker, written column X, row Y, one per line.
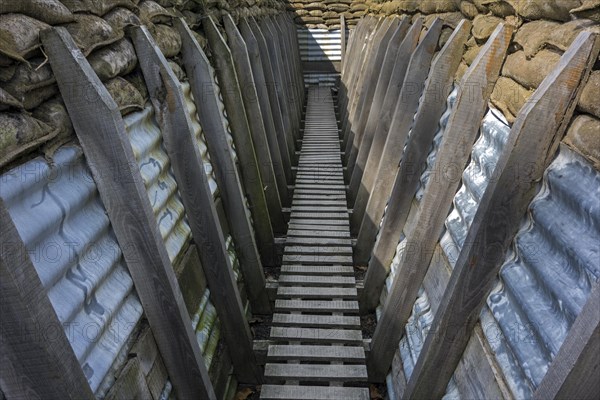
column 548, row 272
column 60, row 217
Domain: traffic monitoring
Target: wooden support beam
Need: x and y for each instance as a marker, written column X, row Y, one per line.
column 378, row 50
column 257, row 126
column 455, row 148
column 243, row 135
column 343, row 37
column 101, row 132
column 37, row 358
column 387, row 66
column 573, row 374
column 531, row 145
column 437, row 88
column 406, row 108
column 263, row 28
column 249, row 28
column 205, row 90
column 365, row 186
column 267, row 111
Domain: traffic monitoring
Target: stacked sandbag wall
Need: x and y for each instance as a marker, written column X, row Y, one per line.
column 35, row 125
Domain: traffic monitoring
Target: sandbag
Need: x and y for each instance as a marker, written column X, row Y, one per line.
column 90, row 32
column 167, row 39
column 19, row 36
column 468, row 9
column 315, row 13
column 127, row 97
column 484, row 25
column 315, row 6
column 116, row 59
column 120, row 18
column 437, row 6
column 583, row 137
column 97, row 7
column 301, row 13
column 508, row 96
column 177, row 70
column 31, row 85
column 471, row 53
column 500, row 8
column 557, row 10
column 136, row 78
column 358, row 7
column 530, row 72
column 536, row 35
column 338, row 8
column 588, row 102
column 7, row 101
column 54, row 113
column 589, row 9
column 49, row 11
column 151, row 11
column 20, row 133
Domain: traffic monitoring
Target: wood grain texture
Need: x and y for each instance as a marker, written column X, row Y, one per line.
column 101, row 132
column 202, row 215
column 249, row 93
column 270, row 119
column 384, row 121
column 372, row 118
column 379, row 49
column 532, row 142
column 276, row 392
column 31, row 365
column 461, row 130
column 573, row 374
column 437, row 88
column 243, row 134
column 400, row 126
column 206, row 98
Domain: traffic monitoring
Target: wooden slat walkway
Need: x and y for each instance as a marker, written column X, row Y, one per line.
column 317, row 350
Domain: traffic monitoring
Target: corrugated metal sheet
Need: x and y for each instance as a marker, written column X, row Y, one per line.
column 548, row 272
column 319, row 44
column 436, row 144
column 486, row 151
column 59, row 215
column 155, row 167
column 199, row 134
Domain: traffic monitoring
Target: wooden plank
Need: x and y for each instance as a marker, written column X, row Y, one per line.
column 343, row 38
column 316, row 372
column 282, row 175
column 316, row 305
column 262, row 29
column 231, row 94
column 318, row 250
column 317, row 259
column 317, row 270
column 307, row 292
column 101, row 132
column 184, row 155
column 317, row 353
column 302, row 220
column 317, row 321
column 455, row 149
column 387, row 66
column 574, row 371
column 331, row 281
column 359, row 197
column 321, row 241
column 32, row 365
column 531, row 145
column 302, row 229
column 318, row 335
column 276, row 392
column 431, row 109
column 201, row 76
column 380, row 43
column 406, row 107
column 318, row 210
